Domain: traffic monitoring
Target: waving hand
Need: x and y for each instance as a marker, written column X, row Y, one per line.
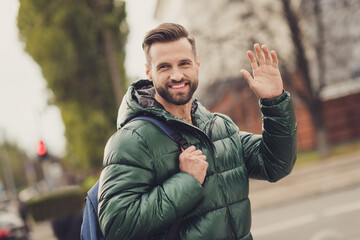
column 266, row 82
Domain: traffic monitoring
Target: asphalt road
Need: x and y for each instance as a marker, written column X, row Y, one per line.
column 330, row 216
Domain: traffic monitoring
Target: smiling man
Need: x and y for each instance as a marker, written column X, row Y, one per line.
column 152, row 189
column 173, row 68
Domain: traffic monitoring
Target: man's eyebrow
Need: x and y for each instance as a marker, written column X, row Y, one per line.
column 186, row 60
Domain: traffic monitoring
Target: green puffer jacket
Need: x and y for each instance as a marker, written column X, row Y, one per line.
column 142, row 191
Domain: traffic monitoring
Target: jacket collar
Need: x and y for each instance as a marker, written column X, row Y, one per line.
column 140, row 100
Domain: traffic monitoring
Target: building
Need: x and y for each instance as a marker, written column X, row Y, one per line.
column 224, row 30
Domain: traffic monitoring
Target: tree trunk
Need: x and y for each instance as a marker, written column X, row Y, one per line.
column 320, row 44
column 319, row 127
column 309, row 95
column 112, row 64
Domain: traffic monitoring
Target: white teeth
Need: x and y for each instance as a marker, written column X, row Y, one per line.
column 178, row 86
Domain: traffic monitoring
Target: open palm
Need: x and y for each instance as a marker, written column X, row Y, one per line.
column 267, row 82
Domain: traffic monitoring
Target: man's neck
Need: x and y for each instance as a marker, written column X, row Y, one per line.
column 180, row 111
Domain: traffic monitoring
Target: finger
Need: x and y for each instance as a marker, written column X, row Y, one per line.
column 196, row 153
column 247, row 76
column 274, row 59
column 189, row 149
column 202, row 157
column 266, row 54
column 252, row 59
column 259, row 55
column 206, row 164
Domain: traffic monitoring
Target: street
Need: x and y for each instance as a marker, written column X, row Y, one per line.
column 330, row 216
column 319, row 201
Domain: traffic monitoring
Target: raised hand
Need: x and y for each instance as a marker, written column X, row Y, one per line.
column 193, row 162
column 267, row 82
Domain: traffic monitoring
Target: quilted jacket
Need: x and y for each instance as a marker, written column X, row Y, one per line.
column 142, row 191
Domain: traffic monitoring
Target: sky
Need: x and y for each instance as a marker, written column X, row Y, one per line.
column 25, row 116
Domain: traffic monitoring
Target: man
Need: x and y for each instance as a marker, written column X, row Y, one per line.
column 151, row 189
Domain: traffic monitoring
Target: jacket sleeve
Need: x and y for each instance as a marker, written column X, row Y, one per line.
column 272, row 155
column 131, row 205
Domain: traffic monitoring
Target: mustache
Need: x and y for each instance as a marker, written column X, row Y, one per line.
column 184, row 80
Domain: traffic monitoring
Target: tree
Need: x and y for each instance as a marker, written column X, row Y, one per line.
column 13, row 162
column 79, row 46
column 307, row 90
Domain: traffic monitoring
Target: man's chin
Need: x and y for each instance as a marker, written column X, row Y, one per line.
column 180, row 100
column 181, row 103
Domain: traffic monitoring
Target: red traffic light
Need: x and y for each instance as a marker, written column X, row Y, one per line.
column 41, row 149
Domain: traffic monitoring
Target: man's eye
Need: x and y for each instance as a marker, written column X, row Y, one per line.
column 163, row 66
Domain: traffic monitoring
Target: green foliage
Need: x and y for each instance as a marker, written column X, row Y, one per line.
column 16, row 161
column 66, row 38
column 56, row 204
column 88, row 183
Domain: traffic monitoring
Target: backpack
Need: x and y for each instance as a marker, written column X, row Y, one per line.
column 90, row 228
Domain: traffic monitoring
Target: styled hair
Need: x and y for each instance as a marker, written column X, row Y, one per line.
column 166, row 32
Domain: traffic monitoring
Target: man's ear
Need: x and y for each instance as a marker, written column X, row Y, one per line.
column 197, row 63
column 148, row 72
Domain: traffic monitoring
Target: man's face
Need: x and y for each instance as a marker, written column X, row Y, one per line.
column 174, row 71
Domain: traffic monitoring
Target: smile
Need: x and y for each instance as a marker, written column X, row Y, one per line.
column 178, row 86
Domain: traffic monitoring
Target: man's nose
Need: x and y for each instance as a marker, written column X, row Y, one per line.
column 177, row 74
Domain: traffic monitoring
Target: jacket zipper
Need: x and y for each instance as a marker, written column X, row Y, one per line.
column 233, row 233
column 212, row 150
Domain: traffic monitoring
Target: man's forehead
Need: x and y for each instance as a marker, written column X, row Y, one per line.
column 169, row 50
column 181, row 44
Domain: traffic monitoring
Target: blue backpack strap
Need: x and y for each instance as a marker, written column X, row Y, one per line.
column 182, row 142
column 90, row 228
column 92, row 195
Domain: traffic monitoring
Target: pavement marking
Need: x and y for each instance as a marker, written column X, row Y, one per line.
column 342, row 209
column 327, row 234
column 306, row 219
column 295, row 222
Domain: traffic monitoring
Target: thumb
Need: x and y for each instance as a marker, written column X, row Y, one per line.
column 247, row 76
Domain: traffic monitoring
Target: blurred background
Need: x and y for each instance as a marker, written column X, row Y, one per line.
column 65, row 65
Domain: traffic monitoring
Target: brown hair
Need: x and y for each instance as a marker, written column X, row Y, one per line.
column 166, row 32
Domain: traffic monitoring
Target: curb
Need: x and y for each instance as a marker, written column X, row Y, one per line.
column 314, row 178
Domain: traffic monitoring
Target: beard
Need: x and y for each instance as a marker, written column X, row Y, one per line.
column 177, row 98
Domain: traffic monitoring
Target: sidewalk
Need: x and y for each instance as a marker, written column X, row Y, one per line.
column 42, row 231
column 314, row 178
